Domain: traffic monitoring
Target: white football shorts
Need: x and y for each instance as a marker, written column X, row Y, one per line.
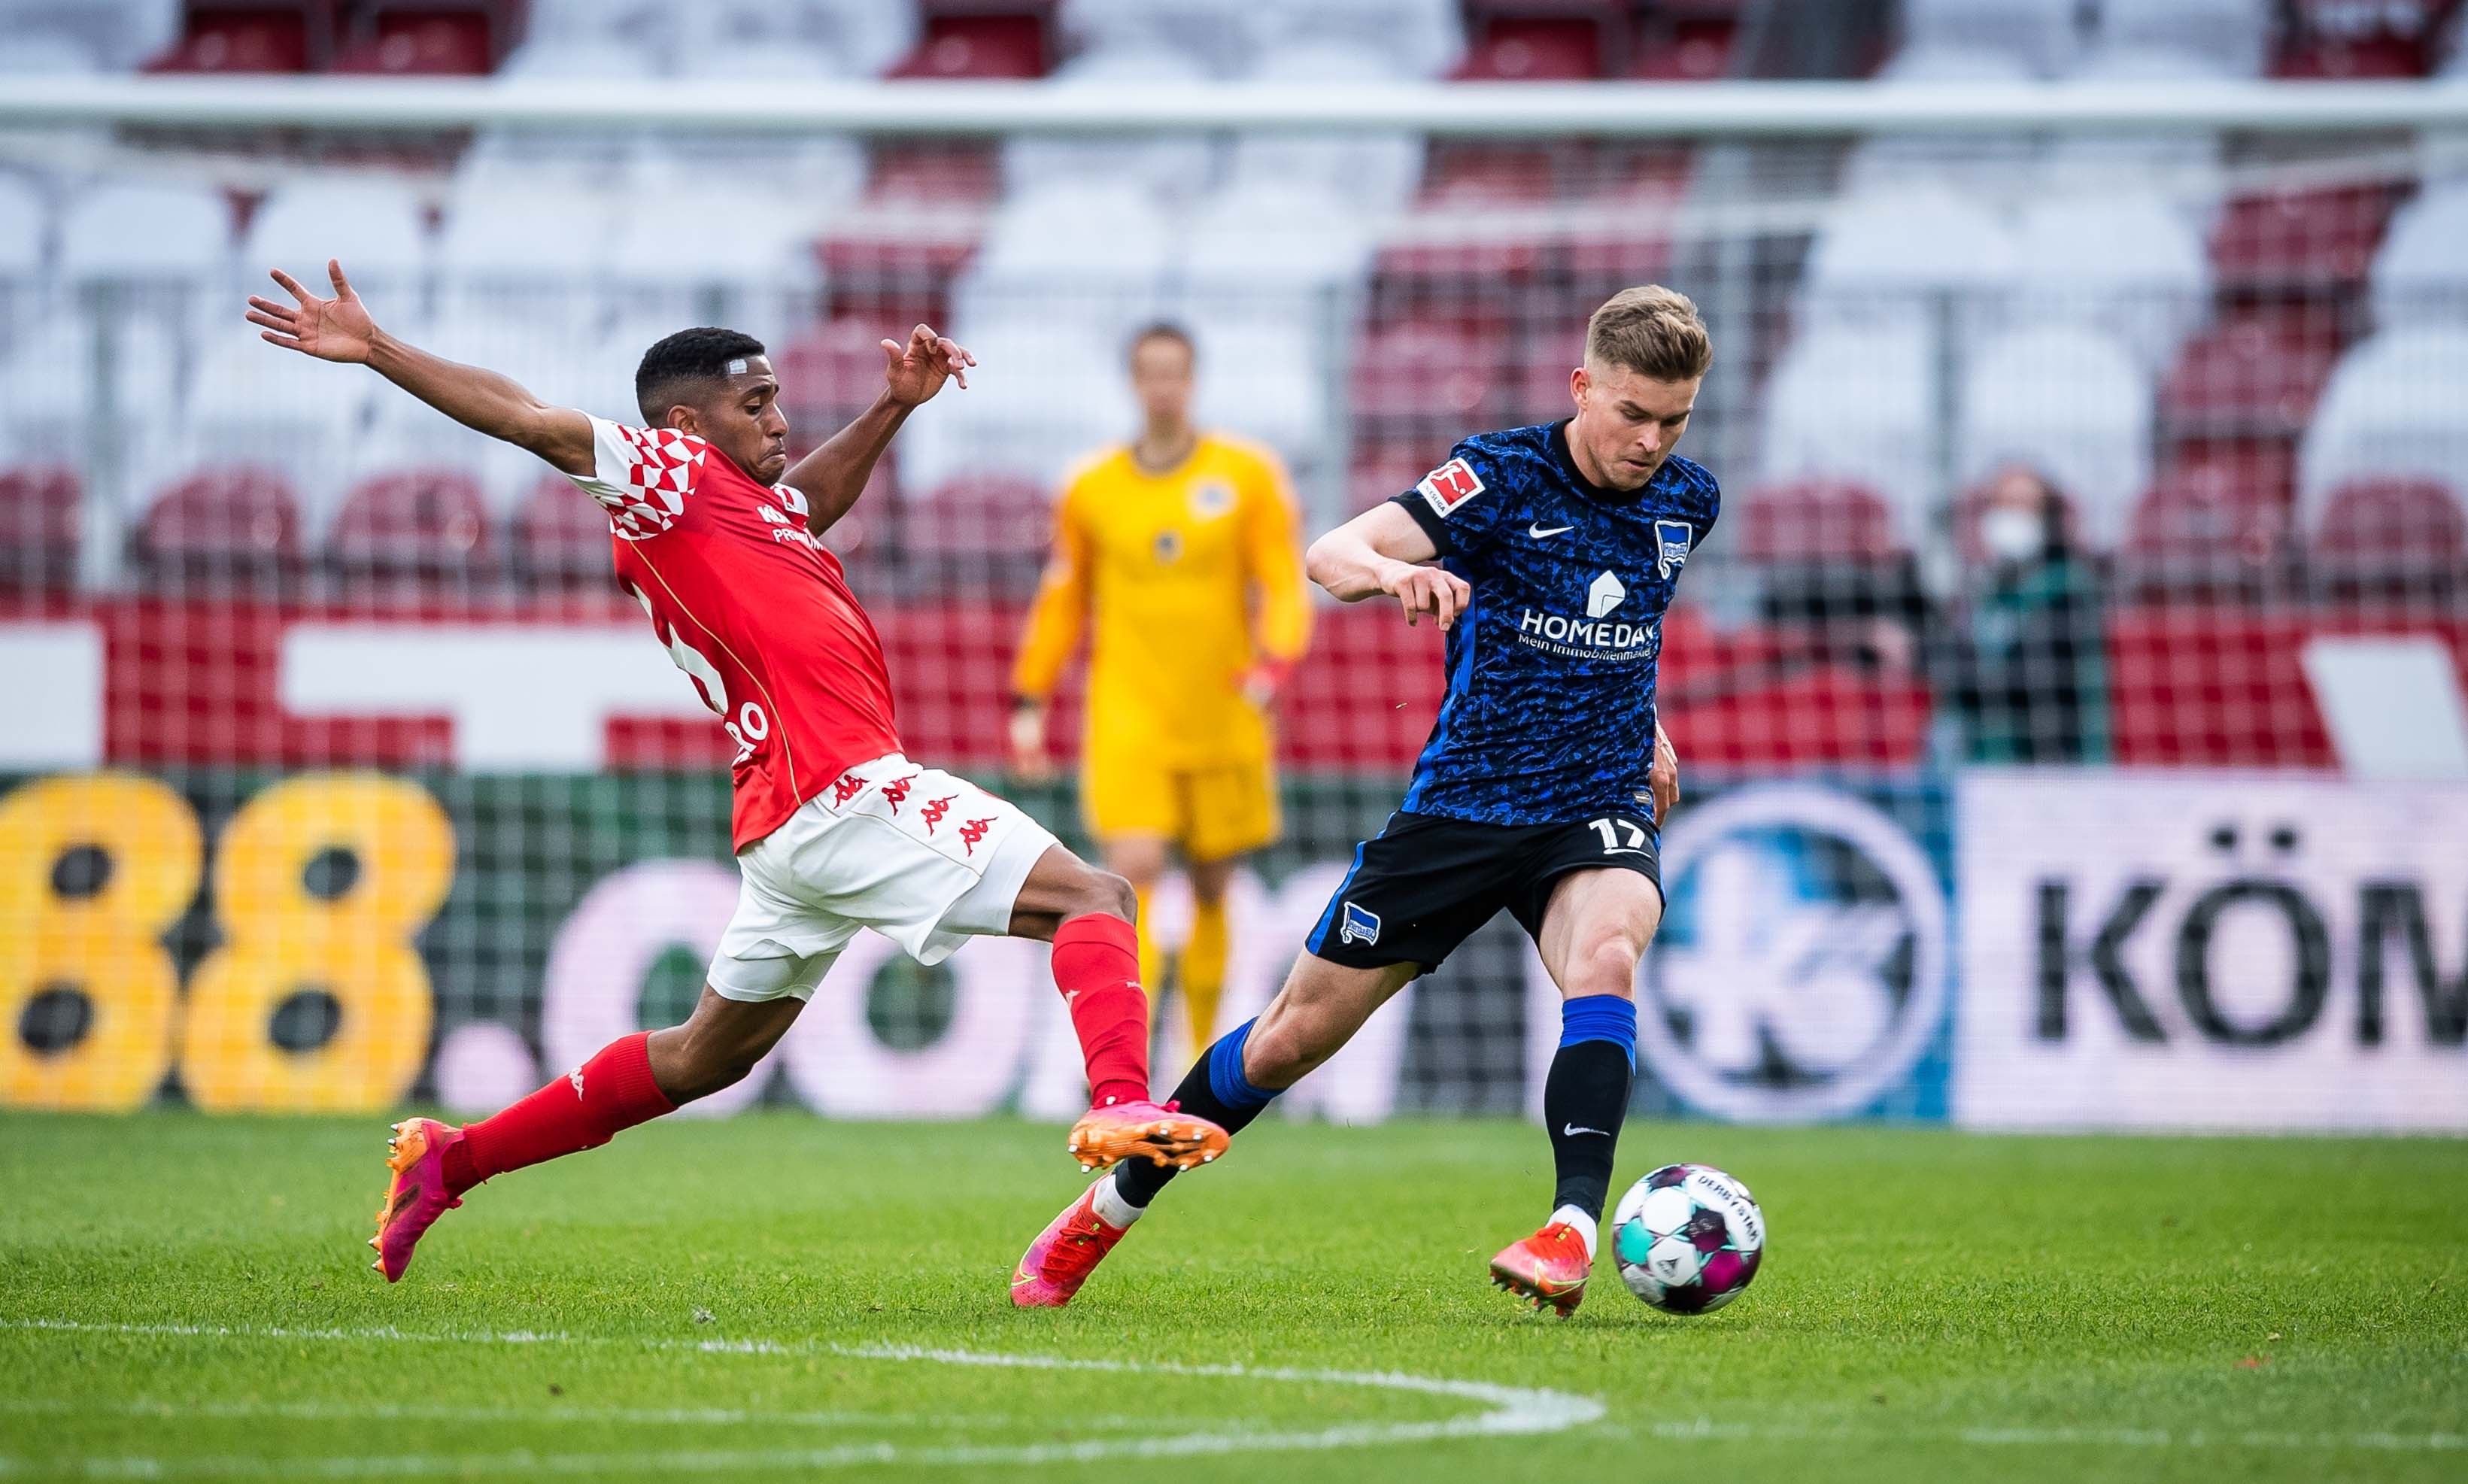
column 921, row 857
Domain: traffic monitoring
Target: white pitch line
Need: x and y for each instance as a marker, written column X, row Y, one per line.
column 1508, row 1410
column 1704, row 1430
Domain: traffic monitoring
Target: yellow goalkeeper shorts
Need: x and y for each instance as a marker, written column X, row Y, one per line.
column 1212, row 812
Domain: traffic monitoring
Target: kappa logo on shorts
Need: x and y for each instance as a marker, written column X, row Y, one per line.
column 973, row 832
column 896, row 792
column 849, row 786
column 1359, row 926
column 934, row 810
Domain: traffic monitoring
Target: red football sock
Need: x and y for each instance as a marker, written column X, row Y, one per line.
column 1097, row 967
column 582, row 1109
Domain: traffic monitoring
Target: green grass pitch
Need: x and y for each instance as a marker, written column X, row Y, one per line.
column 777, row 1296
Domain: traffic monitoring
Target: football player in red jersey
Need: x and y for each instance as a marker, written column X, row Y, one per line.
column 714, row 534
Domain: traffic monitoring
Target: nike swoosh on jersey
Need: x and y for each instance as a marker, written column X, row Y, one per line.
column 1537, row 532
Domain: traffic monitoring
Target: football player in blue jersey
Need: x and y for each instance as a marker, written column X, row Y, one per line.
column 1548, row 554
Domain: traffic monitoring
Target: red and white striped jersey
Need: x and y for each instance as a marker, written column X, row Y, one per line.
column 752, row 608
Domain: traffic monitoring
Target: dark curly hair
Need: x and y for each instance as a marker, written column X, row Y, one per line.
column 675, row 362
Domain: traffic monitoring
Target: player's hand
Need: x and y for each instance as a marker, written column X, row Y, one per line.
column 1433, row 590
column 1662, row 776
column 1030, row 762
column 917, row 371
column 337, row 329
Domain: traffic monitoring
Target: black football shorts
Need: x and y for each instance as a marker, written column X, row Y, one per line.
column 1427, row 882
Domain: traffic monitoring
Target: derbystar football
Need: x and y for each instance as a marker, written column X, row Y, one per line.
column 1687, row 1239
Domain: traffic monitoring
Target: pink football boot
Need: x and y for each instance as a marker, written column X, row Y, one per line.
column 418, row 1194
column 1065, row 1254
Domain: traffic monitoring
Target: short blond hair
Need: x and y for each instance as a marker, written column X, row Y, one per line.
column 1652, row 331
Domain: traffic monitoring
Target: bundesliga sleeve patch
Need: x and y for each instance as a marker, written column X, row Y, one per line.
column 1449, row 486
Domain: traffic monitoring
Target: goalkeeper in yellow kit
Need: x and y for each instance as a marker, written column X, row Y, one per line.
column 1178, row 550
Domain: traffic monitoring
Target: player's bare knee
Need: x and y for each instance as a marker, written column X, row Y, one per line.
column 1605, row 968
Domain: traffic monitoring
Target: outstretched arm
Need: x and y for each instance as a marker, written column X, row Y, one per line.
column 340, row 329
column 834, row 475
column 1379, row 551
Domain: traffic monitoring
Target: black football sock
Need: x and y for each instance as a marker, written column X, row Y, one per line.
column 1586, row 1097
column 1216, row 1089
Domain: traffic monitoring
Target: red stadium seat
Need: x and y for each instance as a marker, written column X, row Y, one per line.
column 833, row 372
column 975, row 537
column 237, row 525
column 2204, row 529
column 41, row 511
column 2253, row 374
column 2347, row 40
column 1381, row 473
column 252, row 35
column 2308, row 239
column 1541, row 40
column 1683, row 48
column 428, row 523
column 449, row 42
column 983, row 42
column 561, row 536
column 1819, row 520
column 2390, row 538
column 1423, row 374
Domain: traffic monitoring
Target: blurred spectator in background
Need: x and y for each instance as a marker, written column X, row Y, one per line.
column 2023, row 658
column 1178, row 551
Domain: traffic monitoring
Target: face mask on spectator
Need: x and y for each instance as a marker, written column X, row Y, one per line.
column 2011, row 534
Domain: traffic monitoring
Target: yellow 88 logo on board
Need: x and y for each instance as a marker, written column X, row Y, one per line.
column 94, row 946
column 351, row 944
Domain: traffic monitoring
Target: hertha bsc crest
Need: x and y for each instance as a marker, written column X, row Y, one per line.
column 1670, row 539
column 1359, row 926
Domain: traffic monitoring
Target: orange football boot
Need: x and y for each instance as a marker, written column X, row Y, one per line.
column 1163, row 1134
column 1547, row 1270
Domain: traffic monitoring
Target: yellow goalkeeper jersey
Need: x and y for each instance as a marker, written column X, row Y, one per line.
column 1188, row 579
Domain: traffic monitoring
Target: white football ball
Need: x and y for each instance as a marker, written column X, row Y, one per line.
column 1687, row 1239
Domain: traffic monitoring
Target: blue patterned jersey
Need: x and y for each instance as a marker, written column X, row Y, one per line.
column 1549, row 715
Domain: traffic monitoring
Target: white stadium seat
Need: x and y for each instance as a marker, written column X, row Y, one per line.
column 1045, row 393
column 566, row 25
column 1858, row 405
column 1172, row 165
column 1267, row 379
column 556, row 360
column 376, row 226
column 1890, row 256
column 147, row 232
column 2039, row 33
column 1427, row 37
column 253, row 404
column 2420, row 276
column 1278, row 236
column 862, row 38
column 2123, row 261
column 2394, row 407
column 2182, row 166
column 763, row 62
column 1376, row 172
column 2074, row 404
column 23, row 212
column 111, row 34
column 2233, row 34
column 613, row 58
column 48, row 54
column 543, row 235
column 47, row 388
column 1220, row 35
column 1083, row 249
column 752, row 273
column 1973, row 165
